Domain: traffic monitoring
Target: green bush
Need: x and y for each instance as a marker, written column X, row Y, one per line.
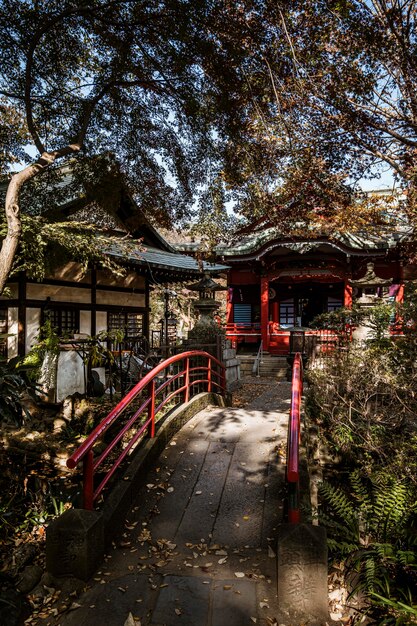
column 13, row 383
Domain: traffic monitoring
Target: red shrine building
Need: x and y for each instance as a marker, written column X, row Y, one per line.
column 276, row 282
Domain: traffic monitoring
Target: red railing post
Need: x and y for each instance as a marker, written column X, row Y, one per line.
column 209, row 379
column 187, row 380
column 146, row 391
column 151, row 409
column 294, row 435
column 88, row 481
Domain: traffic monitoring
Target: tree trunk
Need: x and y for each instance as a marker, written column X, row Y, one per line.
column 14, row 224
column 12, row 208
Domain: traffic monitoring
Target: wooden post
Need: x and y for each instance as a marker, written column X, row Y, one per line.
column 264, row 311
column 209, row 374
column 151, row 409
column 187, row 380
column 88, row 480
column 347, row 297
column 229, row 306
column 22, row 311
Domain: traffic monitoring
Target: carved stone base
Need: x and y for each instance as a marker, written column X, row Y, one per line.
column 75, row 544
column 302, row 573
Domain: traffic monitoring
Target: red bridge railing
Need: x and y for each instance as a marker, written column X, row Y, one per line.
column 293, row 442
column 176, row 379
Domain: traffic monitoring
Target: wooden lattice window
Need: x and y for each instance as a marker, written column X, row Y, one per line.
column 287, row 313
column 130, row 323
column 64, row 321
column 333, row 304
column 242, row 314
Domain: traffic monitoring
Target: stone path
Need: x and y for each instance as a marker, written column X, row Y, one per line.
column 199, row 544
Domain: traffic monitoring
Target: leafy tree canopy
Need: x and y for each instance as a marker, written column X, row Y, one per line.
column 273, row 103
column 339, row 99
column 154, row 83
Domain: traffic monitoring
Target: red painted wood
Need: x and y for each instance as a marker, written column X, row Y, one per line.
column 151, row 409
column 209, row 377
column 264, row 312
column 88, row 474
column 187, row 380
column 293, row 444
column 211, row 374
column 347, row 299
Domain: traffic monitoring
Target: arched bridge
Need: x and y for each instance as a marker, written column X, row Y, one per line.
column 201, row 504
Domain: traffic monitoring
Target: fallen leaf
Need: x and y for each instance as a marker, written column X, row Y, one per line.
column 74, row 606
column 221, row 561
column 239, row 575
column 264, row 605
column 178, row 611
column 227, row 587
column 131, row 621
column 254, row 620
column 271, row 553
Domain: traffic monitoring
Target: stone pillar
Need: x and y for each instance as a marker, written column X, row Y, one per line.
column 232, row 366
column 75, row 543
column 265, row 311
column 302, row 573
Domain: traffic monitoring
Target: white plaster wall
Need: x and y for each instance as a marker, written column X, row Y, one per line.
column 57, row 293
column 72, row 271
column 101, row 321
column 123, row 299
column 13, row 327
column 131, row 279
column 85, row 322
column 33, row 322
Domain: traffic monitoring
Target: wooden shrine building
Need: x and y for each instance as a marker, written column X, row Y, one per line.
column 85, row 303
column 277, row 282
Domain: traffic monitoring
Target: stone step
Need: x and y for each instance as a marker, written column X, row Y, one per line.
column 270, row 366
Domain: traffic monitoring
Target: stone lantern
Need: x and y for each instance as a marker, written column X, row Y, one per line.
column 206, row 329
column 371, row 287
column 372, row 290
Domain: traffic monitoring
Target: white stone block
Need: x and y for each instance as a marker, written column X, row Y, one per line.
column 70, row 375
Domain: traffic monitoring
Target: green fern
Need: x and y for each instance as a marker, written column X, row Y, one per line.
column 367, row 527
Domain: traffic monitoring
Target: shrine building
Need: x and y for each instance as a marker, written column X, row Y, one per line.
column 277, row 282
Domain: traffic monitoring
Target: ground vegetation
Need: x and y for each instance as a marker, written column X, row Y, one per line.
column 363, row 400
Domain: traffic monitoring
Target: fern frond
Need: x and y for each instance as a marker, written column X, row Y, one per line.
column 337, row 501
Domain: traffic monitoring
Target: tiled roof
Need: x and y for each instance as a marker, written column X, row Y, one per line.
column 133, row 252
column 260, row 242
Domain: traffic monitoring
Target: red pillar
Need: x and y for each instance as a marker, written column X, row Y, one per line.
column 229, row 306
column 347, row 299
column 400, row 293
column 265, row 311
